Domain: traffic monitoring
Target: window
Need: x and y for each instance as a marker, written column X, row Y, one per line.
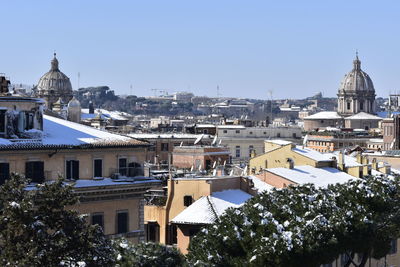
column 173, row 234
column 278, row 135
column 251, row 133
column 393, row 246
column 348, row 105
column 205, row 131
column 237, row 131
column 152, row 231
column 2, row 121
column 265, row 132
column 187, row 201
column 164, row 146
column 322, row 121
column 98, row 218
column 122, row 166
column 266, row 164
column 4, row 172
column 361, row 105
column 122, row 222
column 34, row 170
column 237, row 151
column 251, row 148
column 72, row 169
column 225, row 131
column 98, row 168
column 294, row 135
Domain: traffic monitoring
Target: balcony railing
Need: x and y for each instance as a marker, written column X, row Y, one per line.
column 126, row 172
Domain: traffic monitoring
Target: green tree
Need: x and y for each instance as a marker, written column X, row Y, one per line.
column 148, row 255
column 304, row 224
column 39, row 229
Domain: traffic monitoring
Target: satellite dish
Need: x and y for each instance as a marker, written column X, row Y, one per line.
column 214, row 140
column 198, row 139
column 215, row 164
column 191, row 169
column 219, row 143
column 181, row 144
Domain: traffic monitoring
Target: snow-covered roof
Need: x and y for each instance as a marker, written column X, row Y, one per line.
column 167, row 135
column 260, row 185
column 312, row 154
column 62, row 133
column 375, row 140
column 105, row 182
column 320, row 177
column 384, row 114
column 206, row 209
column 231, row 127
column 363, row 116
column 349, row 161
column 114, row 115
column 279, row 142
column 205, row 126
column 112, row 182
column 324, row 115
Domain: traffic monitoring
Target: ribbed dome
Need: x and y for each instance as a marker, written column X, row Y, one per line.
column 54, row 81
column 356, row 80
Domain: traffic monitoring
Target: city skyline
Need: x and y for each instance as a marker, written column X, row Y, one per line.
column 291, row 48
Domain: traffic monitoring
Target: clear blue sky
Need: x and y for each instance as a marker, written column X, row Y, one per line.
column 294, row 48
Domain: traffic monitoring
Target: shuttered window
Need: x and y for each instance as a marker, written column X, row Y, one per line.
column 72, row 169
column 4, row 172
column 122, row 222
column 98, row 168
column 34, row 171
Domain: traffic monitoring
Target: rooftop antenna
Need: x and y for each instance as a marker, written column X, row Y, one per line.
column 131, row 87
column 270, row 96
column 79, row 78
column 218, row 94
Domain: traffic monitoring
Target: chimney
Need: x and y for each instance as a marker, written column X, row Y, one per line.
column 334, row 162
column 289, row 163
column 358, row 158
column 374, row 164
column 364, row 159
column 341, row 161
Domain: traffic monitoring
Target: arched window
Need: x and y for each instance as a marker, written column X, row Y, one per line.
column 361, row 105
